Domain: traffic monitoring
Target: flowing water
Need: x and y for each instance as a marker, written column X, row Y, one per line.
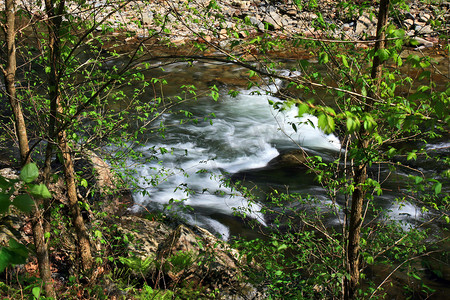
column 245, row 134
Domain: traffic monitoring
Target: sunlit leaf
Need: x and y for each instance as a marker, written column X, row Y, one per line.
column 29, row 173
column 40, row 190
column 412, row 155
column 302, row 109
column 282, row 247
column 383, row 54
column 84, row 183
column 323, row 58
column 36, row 291
column 350, row 125
column 437, row 188
column 344, row 61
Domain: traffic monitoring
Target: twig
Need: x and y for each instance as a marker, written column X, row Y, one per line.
column 390, row 274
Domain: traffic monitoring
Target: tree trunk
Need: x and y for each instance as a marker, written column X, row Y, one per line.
column 41, row 246
column 356, row 220
column 84, row 246
column 42, row 253
column 380, row 40
column 360, row 170
column 54, row 24
column 10, row 77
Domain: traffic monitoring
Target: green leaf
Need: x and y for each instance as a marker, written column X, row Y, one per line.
column 437, row 188
column 4, row 203
column 331, row 124
column 40, row 190
column 15, row 254
column 414, row 60
column 304, row 63
column 399, row 61
column 20, row 251
column 282, row 247
column 36, row 291
column 5, row 257
column 323, row 58
column 369, row 260
column 418, row 179
column 5, row 183
column 23, row 202
column 351, row 125
column 322, row 121
column 425, row 75
column 383, row 54
column 326, row 123
column 29, row 173
column 84, row 183
column 412, row 155
column 344, row 61
column 447, row 219
column 302, row 109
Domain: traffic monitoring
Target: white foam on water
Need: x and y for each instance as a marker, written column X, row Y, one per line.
column 244, row 135
column 438, row 146
column 405, row 212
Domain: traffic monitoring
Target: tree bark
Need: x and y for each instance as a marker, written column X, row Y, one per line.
column 360, row 170
column 9, row 72
column 54, row 24
column 380, row 40
column 356, row 220
column 10, row 82
column 42, row 253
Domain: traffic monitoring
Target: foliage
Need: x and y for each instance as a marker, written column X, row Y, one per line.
column 113, row 100
column 19, row 193
column 301, row 257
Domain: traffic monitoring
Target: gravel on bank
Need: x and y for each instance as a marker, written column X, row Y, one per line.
column 180, row 21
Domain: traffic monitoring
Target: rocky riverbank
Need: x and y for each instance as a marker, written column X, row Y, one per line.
column 167, row 254
column 178, row 22
column 278, row 18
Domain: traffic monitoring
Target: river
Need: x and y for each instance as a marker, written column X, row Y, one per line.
column 237, row 141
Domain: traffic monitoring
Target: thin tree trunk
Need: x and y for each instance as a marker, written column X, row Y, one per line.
column 380, row 40
column 10, row 81
column 84, row 246
column 42, row 253
column 356, row 220
column 54, row 23
column 360, row 171
column 41, row 246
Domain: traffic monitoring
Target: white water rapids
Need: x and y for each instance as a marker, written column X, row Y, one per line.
column 245, row 134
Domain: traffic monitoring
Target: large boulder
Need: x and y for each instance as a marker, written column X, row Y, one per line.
column 289, row 159
column 199, row 258
column 144, row 235
column 184, row 255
